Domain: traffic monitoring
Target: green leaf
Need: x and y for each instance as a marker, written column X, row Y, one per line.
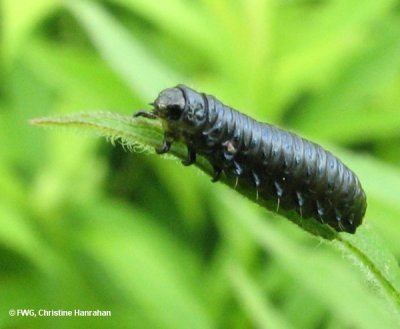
column 142, row 134
column 361, row 101
column 366, row 250
column 369, row 253
column 261, row 311
column 145, row 262
column 79, row 76
column 185, row 20
column 328, row 278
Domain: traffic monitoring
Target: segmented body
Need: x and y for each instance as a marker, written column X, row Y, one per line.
column 278, row 164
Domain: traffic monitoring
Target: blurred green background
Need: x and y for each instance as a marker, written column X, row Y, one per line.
column 86, row 225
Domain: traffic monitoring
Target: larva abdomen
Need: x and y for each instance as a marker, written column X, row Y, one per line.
column 279, row 165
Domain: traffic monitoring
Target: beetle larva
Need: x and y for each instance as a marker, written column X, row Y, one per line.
column 298, row 174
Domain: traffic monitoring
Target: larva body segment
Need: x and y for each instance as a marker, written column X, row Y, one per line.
column 279, row 165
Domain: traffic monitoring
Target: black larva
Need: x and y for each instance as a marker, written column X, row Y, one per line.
column 280, row 165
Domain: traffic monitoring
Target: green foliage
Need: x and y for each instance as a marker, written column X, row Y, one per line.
column 86, row 226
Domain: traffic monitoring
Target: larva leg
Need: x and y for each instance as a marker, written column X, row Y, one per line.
column 146, row 114
column 339, row 220
column 320, row 211
column 341, row 227
column 300, row 202
column 217, row 174
column 351, row 219
column 279, row 194
column 166, row 145
column 256, row 179
column 237, row 170
column 191, row 157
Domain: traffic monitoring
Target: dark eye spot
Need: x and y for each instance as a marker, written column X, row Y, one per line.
column 174, row 112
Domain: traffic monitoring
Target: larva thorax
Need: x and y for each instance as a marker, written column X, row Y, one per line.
column 279, row 165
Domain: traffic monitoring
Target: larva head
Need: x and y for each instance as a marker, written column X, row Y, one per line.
column 170, row 104
column 181, row 105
